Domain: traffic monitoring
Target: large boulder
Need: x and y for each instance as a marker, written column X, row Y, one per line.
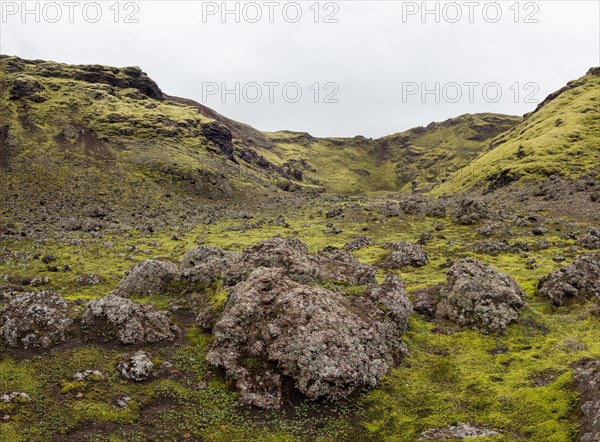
column 147, row 278
column 292, row 255
column 35, row 319
column 577, row 281
column 404, row 254
column 328, row 343
column 475, row 296
column 586, row 380
column 115, row 318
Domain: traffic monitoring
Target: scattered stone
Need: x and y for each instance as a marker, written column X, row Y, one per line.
column 147, row 278
column 39, row 281
column 95, row 375
column 459, row 430
column 90, row 279
column 15, row 396
column 47, row 259
column 493, row 248
column 539, row 230
column 137, row 368
column 36, row 319
column 335, row 213
column 577, row 281
column 115, row 318
column 404, row 254
column 359, row 242
column 123, row 402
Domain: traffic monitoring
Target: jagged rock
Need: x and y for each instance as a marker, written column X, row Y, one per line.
column 459, row 430
column 220, row 136
column 147, row 278
column 329, row 344
column 115, row 318
column 404, row 254
column 293, row 256
column 359, row 242
column 470, row 211
column 475, row 296
column 137, row 368
column 493, row 248
column 204, row 254
column 591, row 240
column 36, row 319
column 577, row 281
column 90, row 279
column 586, row 380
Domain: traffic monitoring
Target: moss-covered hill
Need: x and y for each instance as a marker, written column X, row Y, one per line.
column 75, row 138
column 417, row 158
column 561, row 137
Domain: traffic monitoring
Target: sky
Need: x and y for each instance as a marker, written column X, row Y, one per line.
column 330, row 68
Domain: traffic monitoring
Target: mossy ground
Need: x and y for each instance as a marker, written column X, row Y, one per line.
column 523, row 390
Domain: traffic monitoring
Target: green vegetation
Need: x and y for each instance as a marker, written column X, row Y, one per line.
column 80, row 145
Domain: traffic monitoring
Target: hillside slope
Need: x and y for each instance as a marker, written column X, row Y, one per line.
column 561, row 137
column 423, row 155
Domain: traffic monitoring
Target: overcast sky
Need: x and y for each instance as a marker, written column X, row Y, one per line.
column 365, row 63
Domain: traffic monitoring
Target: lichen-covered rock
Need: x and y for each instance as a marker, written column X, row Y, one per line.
column 404, row 254
column 292, row 255
column 204, row 254
column 35, row 319
column 469, row 211
column 418, row 205
column 89, row 279
column 577, row 281
column 460, row 430
column 328, row 343
column 586, row 380
column 475, row 296
column 591, row 240
column 137, row 368
column 147, row 278
column 359, row 242
column 115, row 318
column 493, row 248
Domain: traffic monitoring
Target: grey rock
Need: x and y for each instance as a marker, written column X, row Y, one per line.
column 328, row 343
column 36, row 319
column 359, row 242
column 591, row 240
column 115, row 318
column 404, row 254
column 147, row 278
column 475, row 296
column 137, row 368
column 89, row 279
column 459, row 430
column 577, row 281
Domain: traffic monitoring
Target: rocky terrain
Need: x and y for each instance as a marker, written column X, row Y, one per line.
column 167, row 273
